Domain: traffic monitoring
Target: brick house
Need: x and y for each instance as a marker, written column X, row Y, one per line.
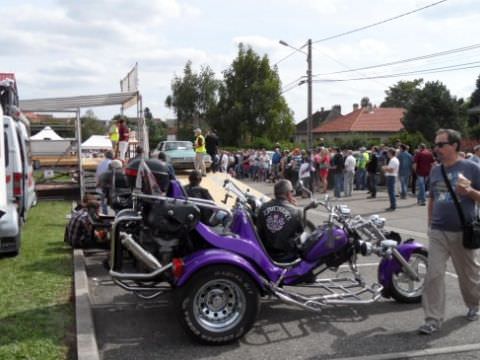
column 373, row 122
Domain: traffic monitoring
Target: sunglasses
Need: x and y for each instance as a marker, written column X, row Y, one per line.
column 442, row 144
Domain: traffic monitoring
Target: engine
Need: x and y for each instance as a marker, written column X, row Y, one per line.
column 162, row 230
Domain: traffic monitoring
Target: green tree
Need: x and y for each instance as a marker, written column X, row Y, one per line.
column 474, row 119
column 402, row 94
column 251, row 105
column 194, row 97
column 157, row 130
column 432, row 108
column 91, row 125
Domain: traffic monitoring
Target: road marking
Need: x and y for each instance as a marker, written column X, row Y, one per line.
column 417, row 353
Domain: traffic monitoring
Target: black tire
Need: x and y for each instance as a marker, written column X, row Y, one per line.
column 17, row 240
column 218, row 305
column 419, row 261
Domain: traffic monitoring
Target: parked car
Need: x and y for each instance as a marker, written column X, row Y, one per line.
column 17, row 185
column 179, row 153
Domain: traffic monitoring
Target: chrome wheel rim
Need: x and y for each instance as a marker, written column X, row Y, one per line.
column 219, row 305
column 404, row 284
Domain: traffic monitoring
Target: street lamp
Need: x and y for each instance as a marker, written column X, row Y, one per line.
column 309, row 83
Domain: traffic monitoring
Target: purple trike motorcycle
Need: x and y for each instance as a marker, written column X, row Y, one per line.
column 218, row 268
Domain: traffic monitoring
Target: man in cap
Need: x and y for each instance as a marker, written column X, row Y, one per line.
column 200, row 151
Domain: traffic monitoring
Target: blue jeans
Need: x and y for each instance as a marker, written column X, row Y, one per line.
column 421, row 189
column 338, row 182
column 360, row 177
column 404, row 185
column 391, row 191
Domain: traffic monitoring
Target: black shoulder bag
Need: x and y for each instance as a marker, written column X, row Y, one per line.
column 471, row 232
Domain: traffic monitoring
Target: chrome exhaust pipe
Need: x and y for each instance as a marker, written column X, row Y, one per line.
column 139, row 252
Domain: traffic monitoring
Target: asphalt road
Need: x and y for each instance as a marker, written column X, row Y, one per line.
column 130, row 328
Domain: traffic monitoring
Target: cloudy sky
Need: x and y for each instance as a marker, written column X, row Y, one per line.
column 63, row 48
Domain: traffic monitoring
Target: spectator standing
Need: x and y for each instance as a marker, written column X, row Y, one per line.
column 391, row 173
column 338, row 164
column 323, row 169
column 276, row 158
column 405, row 170
column 371, row 167
column 114, row 136
column 304, row 173
column 361, row 171
column 211, row 144
column 446, row 231
column 200, row 152
column 123, row 138
column 422, row 161
column 349, row 173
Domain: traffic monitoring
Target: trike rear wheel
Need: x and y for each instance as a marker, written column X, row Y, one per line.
column 218, row 305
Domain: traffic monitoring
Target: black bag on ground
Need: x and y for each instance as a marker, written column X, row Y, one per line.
column 471, row 232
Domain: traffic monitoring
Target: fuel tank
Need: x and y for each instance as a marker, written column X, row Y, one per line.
column 324, row 241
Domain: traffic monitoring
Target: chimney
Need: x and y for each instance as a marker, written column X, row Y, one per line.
column 337, row 109
column 355, row 107
column 322, row 109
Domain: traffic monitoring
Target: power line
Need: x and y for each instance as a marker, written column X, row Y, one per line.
column 423, row 57
column 378, row 23
column 345, row 66
column 362, row 28
column 416, row 72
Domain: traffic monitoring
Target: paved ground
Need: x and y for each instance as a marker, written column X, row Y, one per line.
column 130, row 328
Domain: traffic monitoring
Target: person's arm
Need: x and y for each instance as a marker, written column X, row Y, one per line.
column 429, row 211
column 468, row 191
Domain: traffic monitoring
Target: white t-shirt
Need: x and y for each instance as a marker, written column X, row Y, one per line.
column 350, row 163
column 393, row 164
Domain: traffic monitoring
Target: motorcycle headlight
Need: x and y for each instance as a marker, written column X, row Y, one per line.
column 378, row 221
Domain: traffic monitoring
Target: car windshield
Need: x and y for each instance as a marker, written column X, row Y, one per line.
column 179, row 145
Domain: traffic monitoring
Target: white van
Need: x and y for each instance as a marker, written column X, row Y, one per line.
column 17, row 186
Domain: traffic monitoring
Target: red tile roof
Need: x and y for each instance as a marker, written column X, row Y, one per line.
column 361, row 120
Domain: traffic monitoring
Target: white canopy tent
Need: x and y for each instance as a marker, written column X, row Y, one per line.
column 97, row 142
column 47, row 133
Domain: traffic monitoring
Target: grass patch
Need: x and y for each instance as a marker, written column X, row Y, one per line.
column 36, row 307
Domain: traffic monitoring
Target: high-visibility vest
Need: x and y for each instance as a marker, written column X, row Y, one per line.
column 114, row 133
column 200, row 148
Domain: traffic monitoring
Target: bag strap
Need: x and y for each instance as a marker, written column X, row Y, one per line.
column 454, row 196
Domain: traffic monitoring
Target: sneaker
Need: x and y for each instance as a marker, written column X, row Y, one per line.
column 472, row 314
column 428, row 328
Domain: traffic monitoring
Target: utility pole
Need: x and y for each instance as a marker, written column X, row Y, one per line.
column 309, row 106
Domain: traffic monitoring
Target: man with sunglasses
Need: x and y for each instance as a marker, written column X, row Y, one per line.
column 279, row 222
column 446, row 231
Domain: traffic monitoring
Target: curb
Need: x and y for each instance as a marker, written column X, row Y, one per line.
column 87, row 348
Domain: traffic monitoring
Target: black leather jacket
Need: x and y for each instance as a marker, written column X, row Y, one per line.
column 278, row 224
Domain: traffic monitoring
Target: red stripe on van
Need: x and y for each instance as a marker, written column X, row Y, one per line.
column 17, row 184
